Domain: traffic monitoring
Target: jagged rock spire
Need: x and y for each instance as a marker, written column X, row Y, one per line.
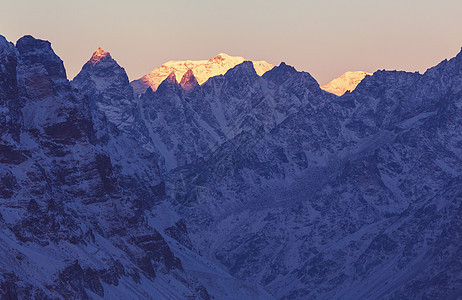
column 189, row 81
column 169, row 84
column 107, row 86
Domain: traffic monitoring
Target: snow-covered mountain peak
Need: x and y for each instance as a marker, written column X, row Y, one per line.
column 224, row 58
column 202, row 69
column 98, row 55
column 245, row 181
column 107, row 86
column 102, row 60
column 103, row 71
column 347, row 82
column 222, row 55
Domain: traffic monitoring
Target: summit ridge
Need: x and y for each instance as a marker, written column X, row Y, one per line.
column 202, row 69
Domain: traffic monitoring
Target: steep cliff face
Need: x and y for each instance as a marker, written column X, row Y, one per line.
column 9, row 92
column 76, row 195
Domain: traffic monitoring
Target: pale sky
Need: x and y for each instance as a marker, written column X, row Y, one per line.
column 325, row 38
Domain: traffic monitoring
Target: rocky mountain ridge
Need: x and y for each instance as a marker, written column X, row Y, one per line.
column 310, row 209
column 76, row 194
column 244, row 186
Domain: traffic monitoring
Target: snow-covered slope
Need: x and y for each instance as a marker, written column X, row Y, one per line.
column 347, row 82
column 202, row 70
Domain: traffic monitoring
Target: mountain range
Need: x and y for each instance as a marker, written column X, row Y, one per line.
column 220, row 64
column 249, row 183
column 202, row 69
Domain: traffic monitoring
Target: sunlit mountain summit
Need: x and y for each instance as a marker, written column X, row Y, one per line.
column 346, row 82
column 202, row 70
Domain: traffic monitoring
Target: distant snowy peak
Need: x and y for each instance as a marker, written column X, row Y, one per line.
column 347, row 82
column 202, row 70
